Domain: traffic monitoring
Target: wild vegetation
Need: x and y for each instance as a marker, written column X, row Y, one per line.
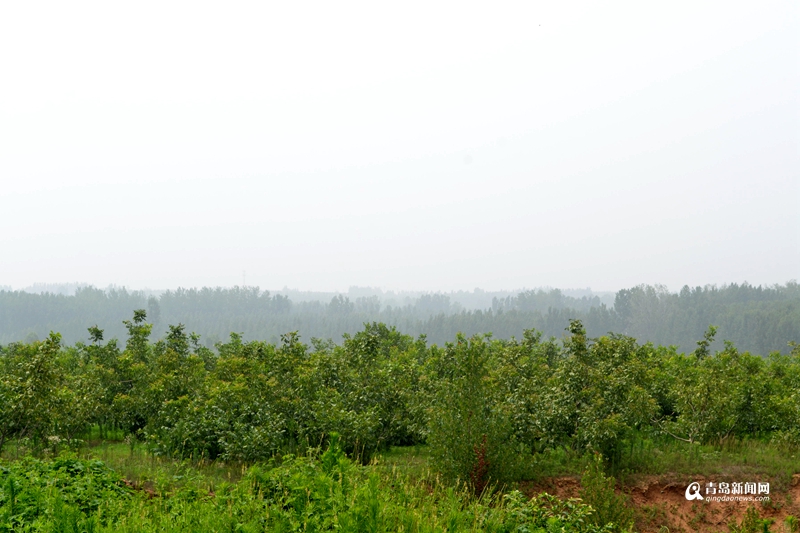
column 308, row 426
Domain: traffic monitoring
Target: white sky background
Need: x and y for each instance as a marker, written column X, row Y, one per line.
column 428, row 146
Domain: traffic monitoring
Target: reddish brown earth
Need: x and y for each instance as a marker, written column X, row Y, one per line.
column 661, row 505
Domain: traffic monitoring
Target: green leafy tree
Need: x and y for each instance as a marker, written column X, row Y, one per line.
column 471, row 434
column 599, row 393
column 29, row 390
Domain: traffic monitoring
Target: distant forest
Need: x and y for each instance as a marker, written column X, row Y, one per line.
column 759, row 319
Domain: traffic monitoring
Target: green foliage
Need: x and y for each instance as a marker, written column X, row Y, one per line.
column 731, row 393
column 703, row 346
column 64, row 491
column 255, row 400
column 547, row 513
column 492, row 411
column 138, row 333
column 471, row 435
column 597, row 394
column 327, row 492
column 610, row 508
column 30, row 387
column 751, row 523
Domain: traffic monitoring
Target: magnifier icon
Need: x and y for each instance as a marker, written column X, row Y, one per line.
column 693, row 492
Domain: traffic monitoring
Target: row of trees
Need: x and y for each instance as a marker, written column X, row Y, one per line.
column 480, row 403
column 756, row 319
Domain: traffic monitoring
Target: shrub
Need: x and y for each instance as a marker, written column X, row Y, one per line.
column 598, row 491
column 471, row 436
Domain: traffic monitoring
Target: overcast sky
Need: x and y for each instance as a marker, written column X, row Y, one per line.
column 427, row 146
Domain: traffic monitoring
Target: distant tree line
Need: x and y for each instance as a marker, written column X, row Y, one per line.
column 755, row 318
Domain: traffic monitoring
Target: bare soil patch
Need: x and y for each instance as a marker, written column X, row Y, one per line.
column 661, row 505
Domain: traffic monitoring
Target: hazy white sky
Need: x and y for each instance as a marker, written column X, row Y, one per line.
column 431, row 146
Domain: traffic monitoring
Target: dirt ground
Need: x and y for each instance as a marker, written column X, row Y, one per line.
column 661, row 505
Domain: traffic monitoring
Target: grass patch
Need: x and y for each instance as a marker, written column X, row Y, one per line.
column 325, row 492
column 413, row 461
column 162, row 474
column 735, row 459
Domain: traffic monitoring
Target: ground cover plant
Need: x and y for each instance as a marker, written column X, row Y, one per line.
column 170, row 435
column 317, row 492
